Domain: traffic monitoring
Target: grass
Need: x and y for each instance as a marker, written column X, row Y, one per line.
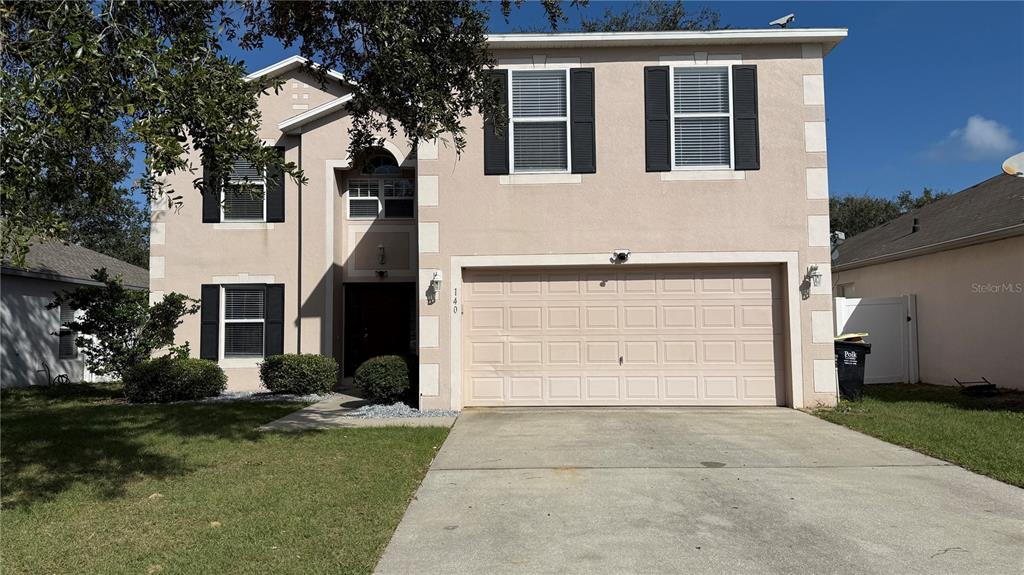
column 90, row 484
column 983, row 434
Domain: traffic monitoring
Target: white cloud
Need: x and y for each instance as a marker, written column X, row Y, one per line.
column 979, row 139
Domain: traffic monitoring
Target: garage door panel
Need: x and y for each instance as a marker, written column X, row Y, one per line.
column 680, row 352
column 719, row 352
column 718, row 316
column 679, row 316
column 486, row 353
column 641, row 283
column 486, row 318
column 640, row 387
column 601, row 387
column 525, row 353
column 525, row 318
column 601, row 317
column 640, row 353
column 524, row 283
column 623, row 336
column 564, row 317
column 526, row 388
column 564, row 388
column 565, row 353
column 601, row 352
column 640, row 317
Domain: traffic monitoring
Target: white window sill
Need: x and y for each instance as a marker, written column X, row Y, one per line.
column 239, row 362
column 243, row 226
column 702, row 175
column 520, row 179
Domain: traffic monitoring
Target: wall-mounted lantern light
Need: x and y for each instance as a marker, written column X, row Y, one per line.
column 382, row 256
column 436, row 282
column 813, row 275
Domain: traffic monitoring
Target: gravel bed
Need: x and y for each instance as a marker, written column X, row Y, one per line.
column 397, row 410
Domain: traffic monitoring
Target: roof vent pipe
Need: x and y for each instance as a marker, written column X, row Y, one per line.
column 916, row 227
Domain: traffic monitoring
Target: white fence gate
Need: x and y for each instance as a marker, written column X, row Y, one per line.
column 891, row 323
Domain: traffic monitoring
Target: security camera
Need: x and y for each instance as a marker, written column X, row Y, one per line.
column 620, row 256
column 784, row 21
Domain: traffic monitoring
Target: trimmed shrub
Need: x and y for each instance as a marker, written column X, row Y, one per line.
column 300, row 374
column 169, row 378
column 384, row 379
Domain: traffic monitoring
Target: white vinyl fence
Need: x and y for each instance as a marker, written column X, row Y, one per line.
column 891, row 323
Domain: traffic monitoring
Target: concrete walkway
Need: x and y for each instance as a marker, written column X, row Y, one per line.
column 336, row 412
column 758, row 490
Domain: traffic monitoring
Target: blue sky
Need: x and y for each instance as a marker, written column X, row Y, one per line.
column 919, row 94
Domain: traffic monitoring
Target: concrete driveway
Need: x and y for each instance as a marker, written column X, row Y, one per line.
column 758, row 490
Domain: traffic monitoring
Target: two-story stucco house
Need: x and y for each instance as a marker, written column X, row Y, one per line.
column 644, row 231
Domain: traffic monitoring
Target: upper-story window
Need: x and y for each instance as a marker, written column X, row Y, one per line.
column 245, row 194
column 538, row 121
column 701, row 117
column 379, row 191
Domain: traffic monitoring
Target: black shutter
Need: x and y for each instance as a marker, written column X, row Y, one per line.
column 657, row 119
column 273, row 340
column 746, row 145
column 584, row 145
column 495, row 144
column 209, row 320
column 275, row 191
column 211, row 196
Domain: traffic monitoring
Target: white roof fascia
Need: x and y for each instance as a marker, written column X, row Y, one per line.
column 292, row 124
column 288, row 64
column 829, row 37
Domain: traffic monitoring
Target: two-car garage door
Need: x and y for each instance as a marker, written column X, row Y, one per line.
column 622, row 336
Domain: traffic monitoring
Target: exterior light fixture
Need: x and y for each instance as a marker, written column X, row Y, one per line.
column 436, row 282
column 814, row 275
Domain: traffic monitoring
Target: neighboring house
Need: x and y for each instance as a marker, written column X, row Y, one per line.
column 702, row 154
column 35, row 347
column 963, row 259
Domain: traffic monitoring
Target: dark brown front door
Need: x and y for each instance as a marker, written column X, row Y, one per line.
column 378, row 321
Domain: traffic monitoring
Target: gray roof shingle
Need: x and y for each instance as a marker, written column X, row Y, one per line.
column 53, row 258
column 993, row 205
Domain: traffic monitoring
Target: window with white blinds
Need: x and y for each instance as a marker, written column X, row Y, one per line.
column 539, row 120
column 244, row 321
column 388, row 198
column 66, row 348
column 245, row 194
column 701, row 117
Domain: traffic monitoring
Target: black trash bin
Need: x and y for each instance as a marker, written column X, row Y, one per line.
column 850, row 367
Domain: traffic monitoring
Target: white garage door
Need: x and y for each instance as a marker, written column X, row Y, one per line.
column 622, row 336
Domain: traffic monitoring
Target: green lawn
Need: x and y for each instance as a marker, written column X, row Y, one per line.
column 983, row 434
column 92, row 485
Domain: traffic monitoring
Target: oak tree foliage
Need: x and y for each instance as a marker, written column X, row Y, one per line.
column 86, row 82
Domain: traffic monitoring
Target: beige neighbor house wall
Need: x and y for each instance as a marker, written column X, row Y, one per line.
column 776, row 215
column 970, row 309
column 187, row 253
